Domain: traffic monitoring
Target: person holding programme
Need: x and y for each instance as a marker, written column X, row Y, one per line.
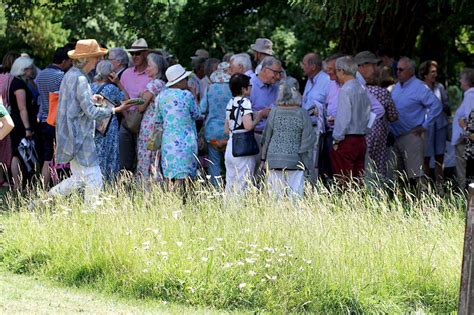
column 75, row 123
column 351, row 123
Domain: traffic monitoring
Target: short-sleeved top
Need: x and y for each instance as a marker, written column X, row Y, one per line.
column 3, row 111
column 232, row 109
column 18, row 84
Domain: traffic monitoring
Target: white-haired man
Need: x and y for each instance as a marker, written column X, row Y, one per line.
column 417, row 107
column 241, row 63
column 352, row 119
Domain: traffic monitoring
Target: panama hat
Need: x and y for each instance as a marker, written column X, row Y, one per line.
column 139, row 45
column 200, row 54
column 366, row 57
column 264, row 46
column 86, row 48
column 176, row 73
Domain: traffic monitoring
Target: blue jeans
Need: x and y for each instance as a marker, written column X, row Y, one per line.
column 216, row 159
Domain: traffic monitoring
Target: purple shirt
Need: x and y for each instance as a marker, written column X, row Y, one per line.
column 332, row 98
column 376, row 107
column 416, row 104
column 262, row 96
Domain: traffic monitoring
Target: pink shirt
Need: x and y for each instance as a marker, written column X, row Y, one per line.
column 134, row 82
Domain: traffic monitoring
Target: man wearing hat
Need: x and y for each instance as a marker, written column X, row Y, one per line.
column 198, row 63
column 75, row 122
column 134, row 81
column 262, row 48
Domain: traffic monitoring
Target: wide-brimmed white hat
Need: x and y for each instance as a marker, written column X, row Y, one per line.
column 139, row 45
column 176, row 73
column 264, row 46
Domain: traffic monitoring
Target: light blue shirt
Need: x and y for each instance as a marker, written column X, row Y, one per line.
column 416, row 104
column 353, row 111
column 463, row 111
column 315, row 95
column 262, row 96
column 213, row 107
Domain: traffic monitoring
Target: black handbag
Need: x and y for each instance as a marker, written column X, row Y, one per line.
column 243, row 143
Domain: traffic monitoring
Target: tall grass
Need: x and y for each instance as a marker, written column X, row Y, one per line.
column 356, row 251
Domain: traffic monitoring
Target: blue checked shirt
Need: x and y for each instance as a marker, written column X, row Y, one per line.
column 75, row 120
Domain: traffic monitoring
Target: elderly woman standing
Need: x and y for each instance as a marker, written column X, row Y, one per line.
column 213, row 106
column 178, row 111
column 287, row 144
column 107, row 145
column 23, row 111
column 436, row 136
column 156, row 68
column 75, row 122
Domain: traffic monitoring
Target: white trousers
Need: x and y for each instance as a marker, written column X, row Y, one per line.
column 279, row 182
column 88, row 177
column 239, row 170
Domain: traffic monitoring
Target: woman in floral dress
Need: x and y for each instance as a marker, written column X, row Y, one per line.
column 147, row 160
column 377, row 139
column 178, row 112
column 107, row 145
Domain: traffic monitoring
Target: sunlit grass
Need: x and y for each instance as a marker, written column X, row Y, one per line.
column 354, row 251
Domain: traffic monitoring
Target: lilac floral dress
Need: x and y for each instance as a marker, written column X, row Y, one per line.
column 178, row 111
column 147, row 158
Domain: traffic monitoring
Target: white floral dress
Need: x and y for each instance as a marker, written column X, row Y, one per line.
column 147, row 159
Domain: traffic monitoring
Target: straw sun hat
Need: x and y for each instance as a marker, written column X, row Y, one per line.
column 86, row 48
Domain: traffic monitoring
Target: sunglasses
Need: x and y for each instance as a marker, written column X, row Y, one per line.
column 136, row 53
column 400, row 69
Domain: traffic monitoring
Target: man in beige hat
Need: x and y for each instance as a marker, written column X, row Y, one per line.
column 134, row 80
column 263, row 47
column 75, row 122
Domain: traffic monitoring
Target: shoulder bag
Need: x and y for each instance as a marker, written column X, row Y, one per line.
column 243, row 143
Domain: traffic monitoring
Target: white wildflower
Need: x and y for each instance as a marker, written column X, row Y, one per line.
column 148, row 229
column 253, row 245
column 145, row 271
column 239, row 263
column 187, row 271
column 210, row 249
column 242, row 285
column 179, row 244
column 219, row 239
column 155, row 231
column 192, row 290
column 252, row 273
column 250, row 261
column 228, row 265
column 204, row 259
column 177, row 214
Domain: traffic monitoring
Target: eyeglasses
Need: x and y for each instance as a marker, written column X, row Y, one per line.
column 275, row 71
column 400, row 69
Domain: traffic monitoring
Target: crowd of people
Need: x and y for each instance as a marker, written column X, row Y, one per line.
column 94, row 114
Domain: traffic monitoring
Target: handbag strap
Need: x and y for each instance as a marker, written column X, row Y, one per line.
column 6, row 93
column 239, row 106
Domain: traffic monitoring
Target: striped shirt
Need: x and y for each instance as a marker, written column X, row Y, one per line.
column 48, row 80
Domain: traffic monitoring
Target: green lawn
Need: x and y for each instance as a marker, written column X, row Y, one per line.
column 359, row 251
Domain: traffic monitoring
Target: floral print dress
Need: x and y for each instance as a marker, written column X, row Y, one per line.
column 107, row 146
column 178, row 112
column 377, row 138
column 147, row 161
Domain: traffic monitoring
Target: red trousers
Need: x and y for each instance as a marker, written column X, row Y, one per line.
column 349, row 158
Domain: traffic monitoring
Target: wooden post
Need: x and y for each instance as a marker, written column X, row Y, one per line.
column 466, row 294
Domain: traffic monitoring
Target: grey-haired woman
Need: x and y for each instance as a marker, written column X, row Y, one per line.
column 107, row 145
column 147, row 160
column 287, row 144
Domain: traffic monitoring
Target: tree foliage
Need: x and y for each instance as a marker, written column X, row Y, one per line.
column 436, row 29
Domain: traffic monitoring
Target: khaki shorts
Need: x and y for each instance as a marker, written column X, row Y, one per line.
column 409, row 151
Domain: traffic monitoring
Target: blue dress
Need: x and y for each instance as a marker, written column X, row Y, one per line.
column 178, row 112
column 107, row 146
